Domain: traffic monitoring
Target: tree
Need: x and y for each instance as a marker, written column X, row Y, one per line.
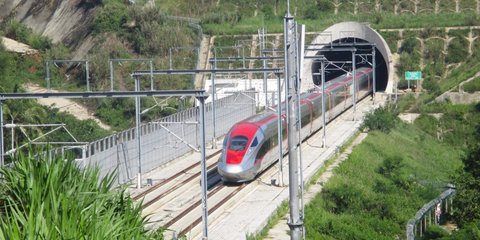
column 467, row 183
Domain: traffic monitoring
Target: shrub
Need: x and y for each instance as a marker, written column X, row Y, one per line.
column 472, row 86
column 467, row 183
column 22, row 33
column 17, row 31
column 427, row 123
column 324, row 5
column 390, row 166
column 382, row 119
column 341, row 198
column 409, row 45
column 457, row 51
column 434, row 232
column 430, row 84
column 469, row 231
column 310, row 13
column 111, row 17
column 54, row 199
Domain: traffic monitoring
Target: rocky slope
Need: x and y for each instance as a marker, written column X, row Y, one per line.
column 63, row 21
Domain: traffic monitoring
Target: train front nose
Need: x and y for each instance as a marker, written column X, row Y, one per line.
column 235, row 172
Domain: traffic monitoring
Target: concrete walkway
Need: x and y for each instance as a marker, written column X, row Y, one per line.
column 250, row 215
column 281, row 231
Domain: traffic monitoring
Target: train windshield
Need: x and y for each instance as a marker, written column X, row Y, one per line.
column 238, row 143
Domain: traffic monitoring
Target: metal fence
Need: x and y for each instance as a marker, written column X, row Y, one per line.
column 426, row 215
column 165, row 139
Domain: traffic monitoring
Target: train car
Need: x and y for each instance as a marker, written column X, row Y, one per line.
column 252, row 145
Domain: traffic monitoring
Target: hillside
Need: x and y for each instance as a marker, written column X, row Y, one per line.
column 441, row 38
column 63, row 22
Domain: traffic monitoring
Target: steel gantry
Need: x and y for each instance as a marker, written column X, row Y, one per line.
column 138, row 74
column 47, row 70
column 343, row 47
column 87, row 95
column 120, row 60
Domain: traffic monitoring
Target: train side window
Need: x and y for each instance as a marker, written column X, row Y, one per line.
column 254, row 143
column 238, row 143
column 305, row 118
column 264, row 149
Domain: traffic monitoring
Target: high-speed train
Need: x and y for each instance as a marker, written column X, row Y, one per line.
column 252, row 145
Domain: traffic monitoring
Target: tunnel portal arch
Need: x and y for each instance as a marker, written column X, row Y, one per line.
column 349, row 32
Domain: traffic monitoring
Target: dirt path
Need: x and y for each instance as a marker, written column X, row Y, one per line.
column 18, row 47
column 64, row 105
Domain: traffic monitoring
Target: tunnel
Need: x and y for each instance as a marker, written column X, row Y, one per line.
column 347, row 35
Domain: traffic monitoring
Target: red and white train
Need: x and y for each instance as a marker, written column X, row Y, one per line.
column 251, row 145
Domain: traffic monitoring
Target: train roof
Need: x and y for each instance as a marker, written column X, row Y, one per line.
column 261, row 118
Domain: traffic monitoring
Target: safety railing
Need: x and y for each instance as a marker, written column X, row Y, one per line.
column 430, row 213
column 165, row 139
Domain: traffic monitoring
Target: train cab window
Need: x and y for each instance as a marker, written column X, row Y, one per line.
column 238, row 143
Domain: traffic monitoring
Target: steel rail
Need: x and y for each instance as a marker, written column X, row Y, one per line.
column 193, row 206
column 178, row 174
column 211, row 210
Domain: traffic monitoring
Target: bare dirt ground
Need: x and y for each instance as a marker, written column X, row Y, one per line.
column 64, row 105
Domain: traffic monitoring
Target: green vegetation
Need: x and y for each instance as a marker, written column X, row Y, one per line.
column 16, row 70
column 15, row 30
column 283, row 209
column 382, row 119
column 383, row 183
column 402, row 166
column 121, row 31
column 242, row 17
column 472, row 86
column 467, row 183
column 53, row 199
column 456, row 127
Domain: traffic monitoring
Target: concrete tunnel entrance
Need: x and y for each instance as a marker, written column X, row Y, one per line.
column 348, row 33
column 332, row 72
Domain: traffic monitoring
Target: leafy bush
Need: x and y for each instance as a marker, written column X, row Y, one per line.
column 472, row 86
column 431, row 84
column 310, row 13
column 54, row 199
column 341, row 198
column 409, row 45
column 457, row 50
column 22, row 33
column 324, row 5
column 391, row 166
column 111, row 17
column 435, row 232
column 472, row 20
column 469, row 231
column 382, row 119
column 381, row 185
column 17, row 31
column 467, row 183
column 427, row 123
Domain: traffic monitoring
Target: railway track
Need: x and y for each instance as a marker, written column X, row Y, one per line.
column 175, row 202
